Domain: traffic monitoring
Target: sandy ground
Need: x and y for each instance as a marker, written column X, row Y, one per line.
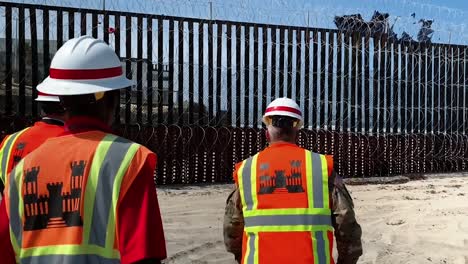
column 417, row 222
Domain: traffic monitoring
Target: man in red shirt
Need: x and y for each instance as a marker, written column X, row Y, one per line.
column 16, row 146
column 95, row 200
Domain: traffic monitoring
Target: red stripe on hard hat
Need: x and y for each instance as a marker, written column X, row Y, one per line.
column 85, row 74
column 283, row 108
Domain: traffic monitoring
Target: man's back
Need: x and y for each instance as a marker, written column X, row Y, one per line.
column 78, row 190
column 284, row 191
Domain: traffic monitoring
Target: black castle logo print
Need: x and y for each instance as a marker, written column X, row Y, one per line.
column 58, row 208
column 280, row 182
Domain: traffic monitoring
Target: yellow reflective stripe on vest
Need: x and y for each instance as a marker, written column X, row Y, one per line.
column 288, row 220
column 310, row 192
column 319, row 186
column 15, row 205
column 292, row 228
column 5, row 153
column 112, row 158
column 111, row 226
column 289, row 211
column 324, row 163
column 247, row 183
column 251, row 254
column 69, row 250
column 91, row 184
column 320, row 243
column 70, row 259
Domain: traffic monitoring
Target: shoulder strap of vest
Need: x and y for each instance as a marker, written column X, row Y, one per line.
column 5, row 153
column 111, row 160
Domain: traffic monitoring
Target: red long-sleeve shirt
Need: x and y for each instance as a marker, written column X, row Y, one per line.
column 140, row 230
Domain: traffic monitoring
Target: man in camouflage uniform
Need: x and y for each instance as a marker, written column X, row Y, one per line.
column 346, row 229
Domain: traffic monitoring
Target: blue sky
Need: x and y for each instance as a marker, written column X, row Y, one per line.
column 449, row 16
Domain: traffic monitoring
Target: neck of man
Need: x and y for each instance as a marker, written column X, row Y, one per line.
column 283, row 140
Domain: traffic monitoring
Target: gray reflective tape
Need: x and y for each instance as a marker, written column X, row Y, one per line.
column 68, row 259
column 104, row 189
column 252, row 249
column 322, row 257
column 6, row 152
column 317, row 181
column 247, row 182
column 287, row 220
column 15, row 218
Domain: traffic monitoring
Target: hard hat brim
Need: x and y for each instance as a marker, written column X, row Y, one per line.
column 283, row 113
column 78, row 87
column 46, row 98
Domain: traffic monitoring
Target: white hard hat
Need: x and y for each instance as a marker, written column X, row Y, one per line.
column 43, row 97
column 284, row 107
column 84, row 65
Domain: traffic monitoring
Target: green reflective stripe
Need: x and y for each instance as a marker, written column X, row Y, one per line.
column 251, row 256
column 326, row 196
column 69, row 259
column 328, row 257
column 110, row 172
column 91, row 184
column 14, row 243
column 287, row 220
column 256, row 260
column 247, row 178
column 4, row 156
column 5, row 153
column 321, row 245
column 314, row 247
column 309, row 176
column 253, row 182
column 288, row 211
column 292, row 228
column 240, row 182
column 116, row 191
column 317, row 181
column 245, row 184
column 16, row 206
column 69, row 250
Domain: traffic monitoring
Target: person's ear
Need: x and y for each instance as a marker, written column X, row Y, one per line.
column 267, row 135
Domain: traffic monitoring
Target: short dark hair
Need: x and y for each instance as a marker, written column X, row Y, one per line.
column 52, row 108
column 284, row 125
column 283, row 121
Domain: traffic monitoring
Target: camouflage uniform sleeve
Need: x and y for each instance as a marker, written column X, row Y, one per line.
column 233, row 228
column 347, row 230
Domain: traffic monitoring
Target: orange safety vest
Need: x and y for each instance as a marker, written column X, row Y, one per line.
column 19, row 144
column 62, row 199
column 286, row 206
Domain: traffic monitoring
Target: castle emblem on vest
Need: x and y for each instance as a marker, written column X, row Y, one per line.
column 281, row 182
column 58, row 208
